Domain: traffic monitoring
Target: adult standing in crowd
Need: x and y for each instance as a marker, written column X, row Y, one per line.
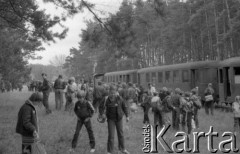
column 98, row 95
column 151, row 89
column 176, row 109
column 59, row 86
column 209, row 101
column 115, row 108
column 46, row 88
column 146, row 105
column 132, row 97
column 70, row 94
column 27, row 124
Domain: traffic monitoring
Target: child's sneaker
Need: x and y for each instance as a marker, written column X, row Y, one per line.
column 92, row 150
column 125, row 152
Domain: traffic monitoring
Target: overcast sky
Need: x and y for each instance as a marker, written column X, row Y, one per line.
column 75, row 25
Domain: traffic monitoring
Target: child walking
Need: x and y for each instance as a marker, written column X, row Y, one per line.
column 84, row 111
column 236, row 111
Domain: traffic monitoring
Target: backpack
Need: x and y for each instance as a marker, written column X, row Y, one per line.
column 196, row 102
column 156, row 103
column 188, row 105
column 166, row 103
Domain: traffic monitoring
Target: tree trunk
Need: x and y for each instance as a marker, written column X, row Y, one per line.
column 208, row 31
column 229, row 25
column 217, row 30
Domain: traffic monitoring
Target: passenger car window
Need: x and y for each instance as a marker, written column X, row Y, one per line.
column 175, row 76
column 160, row 77
column 237, row 75
column 153, row 77
column 167, row 76
column 185, row 76
column 147, row 77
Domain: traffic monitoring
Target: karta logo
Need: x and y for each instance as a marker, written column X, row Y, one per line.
column 152, row 138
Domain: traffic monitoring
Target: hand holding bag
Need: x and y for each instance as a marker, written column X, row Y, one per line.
column 208, row 98
column 38, row 148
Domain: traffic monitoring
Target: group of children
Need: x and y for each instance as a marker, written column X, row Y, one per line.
column 183, row 105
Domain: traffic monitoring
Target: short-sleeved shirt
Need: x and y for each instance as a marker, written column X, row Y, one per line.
column 236, row 109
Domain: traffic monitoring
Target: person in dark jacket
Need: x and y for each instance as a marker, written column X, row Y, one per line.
column 59, row 86
column 46, row 88
column 146, row 105
column 187, row 107
column 209, row 101
column 27, row 124
column 84, row 111
column 176, row 109
column 115, row 108
column 163, row 93
column 196, row 105
column 166, row 108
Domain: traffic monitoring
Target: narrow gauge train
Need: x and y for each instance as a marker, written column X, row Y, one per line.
column 224, row 76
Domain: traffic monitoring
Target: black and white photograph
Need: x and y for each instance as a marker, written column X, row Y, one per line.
column 119, row 76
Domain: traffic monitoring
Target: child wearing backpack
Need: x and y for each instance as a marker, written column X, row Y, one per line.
column 84, row 111
column 196, row 105
column 187, row 107
column 236, row 112
column 157, row 109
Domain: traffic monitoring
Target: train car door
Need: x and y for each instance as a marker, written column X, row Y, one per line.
column 224, row 83
column 138, row 79
column 193, row 78
column 134, row 77
column 127, row 78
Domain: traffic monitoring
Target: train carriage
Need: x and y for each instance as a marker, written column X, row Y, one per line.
column 121, row 76
column 229, row 79
column 185, row 76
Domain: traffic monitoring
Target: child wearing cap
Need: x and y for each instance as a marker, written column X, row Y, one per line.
column 84, row 111
column 236, row 111
column 187, row 106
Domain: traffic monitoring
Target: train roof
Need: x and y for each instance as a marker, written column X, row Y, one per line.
column 189, row 65
column 98, row 74
column 121, row 72
column 235, row 61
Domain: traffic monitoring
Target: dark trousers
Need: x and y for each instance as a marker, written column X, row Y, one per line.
column 112, row 124
column 209, row 106
column 236, row 124
column 45, row 100
column 176, row 118
column 88, row 126
column 59, row 98
column 146, row 117
column 96, row 103
column 183, row 119
column 158, row 119
column 189, row 121
column 195, row 114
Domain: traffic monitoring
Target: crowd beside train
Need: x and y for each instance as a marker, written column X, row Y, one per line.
column 7, row 86
column 111, row 101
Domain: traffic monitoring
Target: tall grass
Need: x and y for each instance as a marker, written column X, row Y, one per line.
column 57, row 129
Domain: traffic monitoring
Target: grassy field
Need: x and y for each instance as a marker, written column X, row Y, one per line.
column 57, row 129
